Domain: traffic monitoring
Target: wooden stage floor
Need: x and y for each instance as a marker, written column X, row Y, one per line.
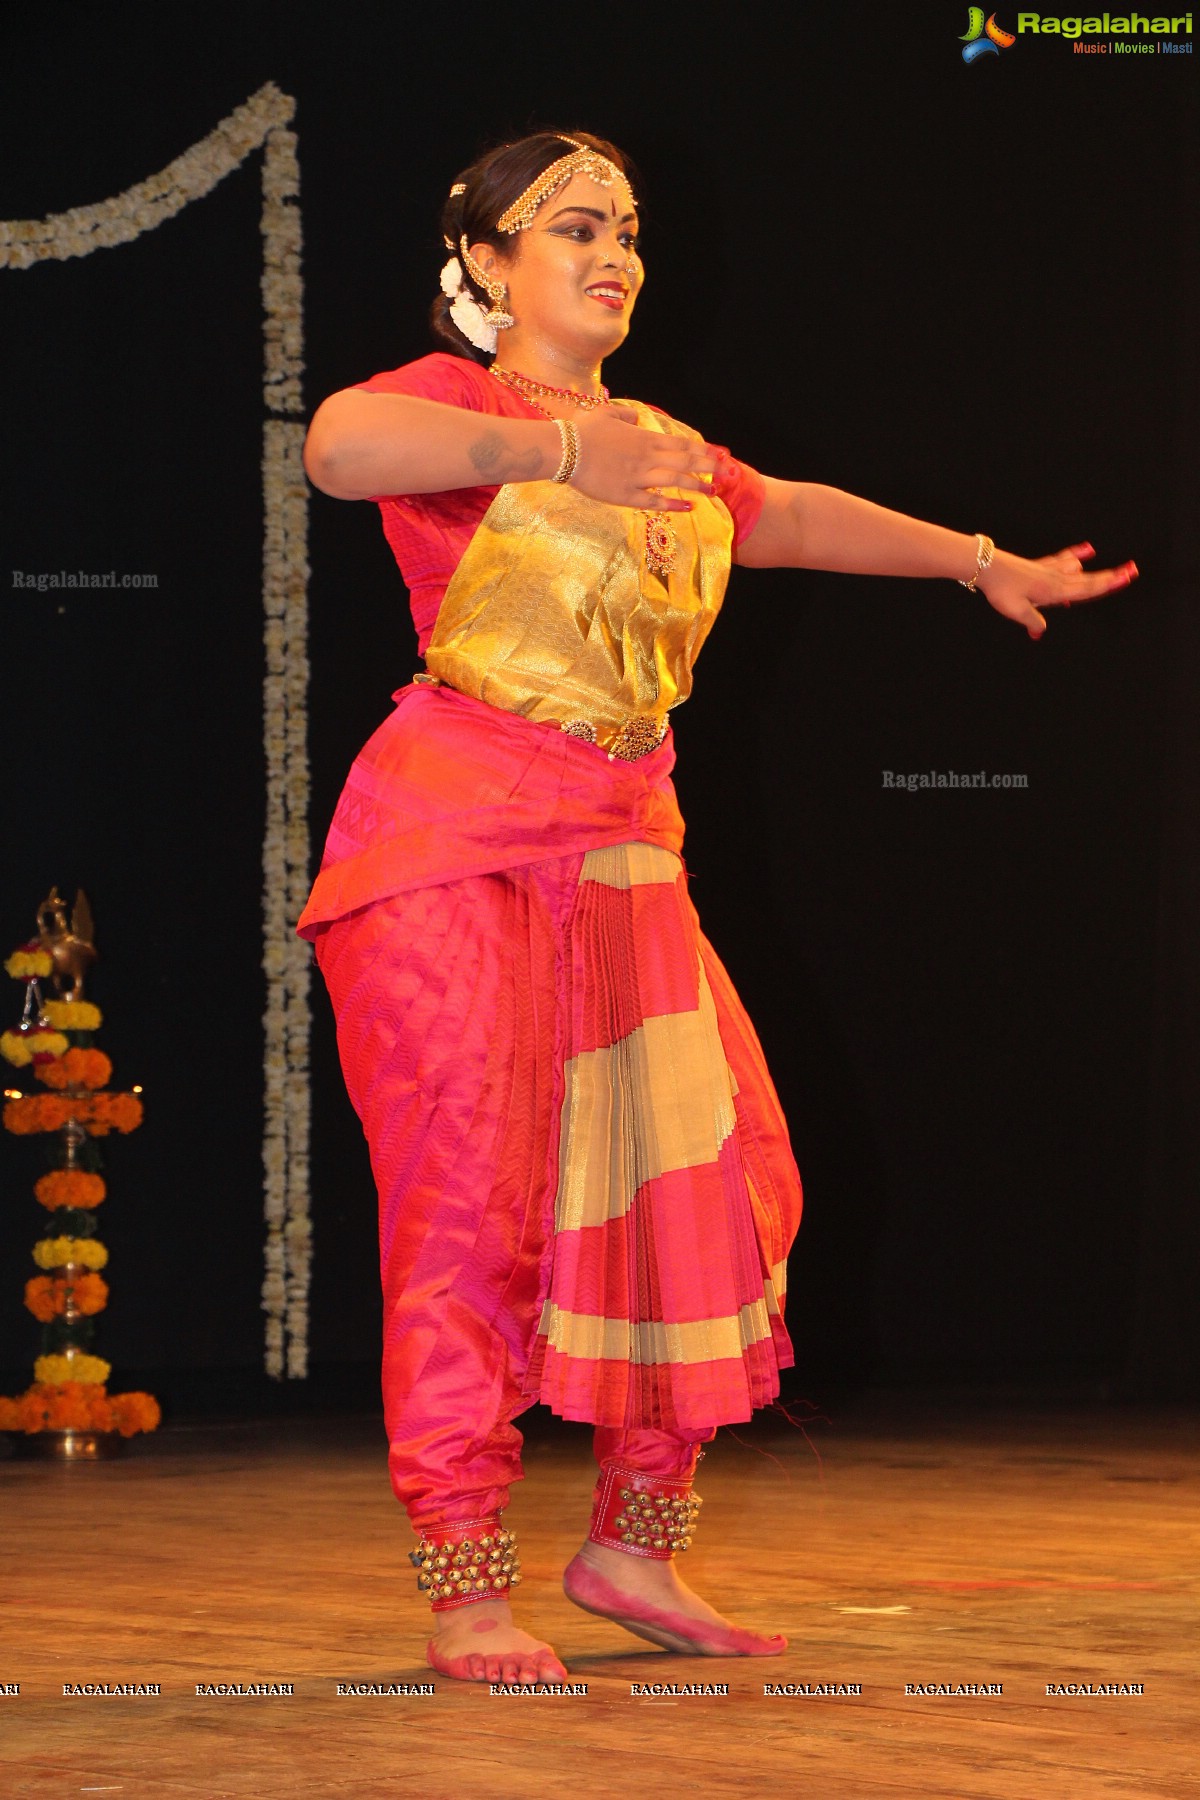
column 1025, row 1548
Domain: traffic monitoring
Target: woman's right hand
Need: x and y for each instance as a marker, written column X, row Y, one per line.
column 624, row 464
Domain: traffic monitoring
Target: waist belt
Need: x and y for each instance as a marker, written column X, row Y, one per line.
column 635, row 736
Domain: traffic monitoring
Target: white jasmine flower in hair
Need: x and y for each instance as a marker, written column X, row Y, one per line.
column 471, row 320
column 452, row 278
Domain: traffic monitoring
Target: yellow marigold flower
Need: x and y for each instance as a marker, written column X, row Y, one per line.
column 51, row 1253
column 53, row 1369
column 20, row 1047
column 73, row 1015
column 29, row 965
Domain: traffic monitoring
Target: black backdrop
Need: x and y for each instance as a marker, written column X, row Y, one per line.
column 965, row 292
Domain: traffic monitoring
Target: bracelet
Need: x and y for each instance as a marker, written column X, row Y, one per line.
column 984, row 552
column 570, row 450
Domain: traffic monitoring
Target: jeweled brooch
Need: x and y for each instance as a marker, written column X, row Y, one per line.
column 661, row 543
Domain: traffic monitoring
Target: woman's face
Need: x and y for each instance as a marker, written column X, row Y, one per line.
column 574, row 274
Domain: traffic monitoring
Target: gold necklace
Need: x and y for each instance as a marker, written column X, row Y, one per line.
column 661, row 542
column 528, row 387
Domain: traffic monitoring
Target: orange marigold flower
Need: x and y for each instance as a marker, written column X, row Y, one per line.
column 31, row 1413
column 126, row 1110
column 65, row 1406
column 134, row 1412
column 99, row 1410
column 36, row 1112
column 70, row 1187
column 42, row 1296
column 103, row 1113
column 46, row 1295
column 78, row 1406
column 90, row 1292
column 77, row 1068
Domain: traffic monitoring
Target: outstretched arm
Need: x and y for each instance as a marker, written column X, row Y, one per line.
column 805, row 525
column 360, row 444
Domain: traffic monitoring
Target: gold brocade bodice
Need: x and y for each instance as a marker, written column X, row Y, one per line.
column 554, row 611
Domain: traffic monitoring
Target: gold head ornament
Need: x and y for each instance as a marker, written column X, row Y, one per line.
column 582, row 161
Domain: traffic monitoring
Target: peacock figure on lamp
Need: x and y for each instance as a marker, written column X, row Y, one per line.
column 68, row 1410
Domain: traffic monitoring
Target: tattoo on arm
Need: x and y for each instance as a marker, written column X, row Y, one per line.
column 497, row 461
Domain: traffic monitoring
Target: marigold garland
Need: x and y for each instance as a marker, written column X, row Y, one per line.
column 78, row 1406
column 29, row 963
column 36, row 1112
column 78, row 1068
column 20, row 1047
column 46, row 1295
column 70, row 1187
column 111, row 1112
column 90, row 1370
column 52, row 1253
column 97, row 1113
column 72, row 1015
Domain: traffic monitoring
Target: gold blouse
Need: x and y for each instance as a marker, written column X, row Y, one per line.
column 556, row 612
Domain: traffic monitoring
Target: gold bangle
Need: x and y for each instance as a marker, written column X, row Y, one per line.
column 570, row 450
column 984, row 552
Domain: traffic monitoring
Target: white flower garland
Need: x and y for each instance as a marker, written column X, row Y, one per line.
column 262, row 122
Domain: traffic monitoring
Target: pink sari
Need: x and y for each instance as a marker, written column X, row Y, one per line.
column 581, row 1159
column 586, row 1189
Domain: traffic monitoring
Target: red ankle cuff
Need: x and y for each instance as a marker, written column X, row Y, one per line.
column 473, row 1559
column 647, row 1515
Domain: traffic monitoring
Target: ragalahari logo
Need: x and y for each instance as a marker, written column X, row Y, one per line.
column 983, row 39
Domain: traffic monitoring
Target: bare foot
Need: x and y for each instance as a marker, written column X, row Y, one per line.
column 479, row 1642
column 646, row 1595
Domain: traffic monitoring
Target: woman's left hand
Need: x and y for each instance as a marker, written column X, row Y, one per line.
column 1017, row 586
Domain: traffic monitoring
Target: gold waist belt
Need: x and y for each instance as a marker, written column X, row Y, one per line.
column 634, row 736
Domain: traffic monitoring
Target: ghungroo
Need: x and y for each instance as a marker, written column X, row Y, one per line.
column 475, row 1559
column 648, row 1515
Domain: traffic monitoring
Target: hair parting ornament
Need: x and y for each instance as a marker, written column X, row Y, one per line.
column 480, row 327
column 582, row 161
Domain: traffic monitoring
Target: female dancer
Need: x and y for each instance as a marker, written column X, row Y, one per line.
column 587, row 1193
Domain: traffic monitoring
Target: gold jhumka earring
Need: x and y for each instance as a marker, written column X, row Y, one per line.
column 499, row 318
